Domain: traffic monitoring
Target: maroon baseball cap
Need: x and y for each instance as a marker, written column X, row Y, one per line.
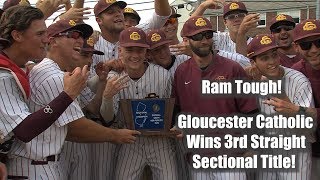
column 88, row 46
column 233, row 6
column 105, row 4
column 307, row 28
column 67, row 25
column 260, row 44
column 10, row 3
column 281, row 19
column 156, row 38
column 131, row 12
column 133, row 36
column 195, row 25
column 174, row 13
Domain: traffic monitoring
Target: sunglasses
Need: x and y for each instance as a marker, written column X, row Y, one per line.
column 199, row 36
column 278, row 29
column 72, row 34
column 234, row 16
column 171, row 21
column 307, row 45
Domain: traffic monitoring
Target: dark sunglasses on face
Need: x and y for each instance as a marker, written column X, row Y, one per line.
column 234, row 16
column 72, row 34
column 171, row 21
column 278, row 29
column 199, row 36
column 307, row 45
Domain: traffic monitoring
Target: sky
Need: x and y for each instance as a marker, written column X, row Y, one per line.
column 143, row 7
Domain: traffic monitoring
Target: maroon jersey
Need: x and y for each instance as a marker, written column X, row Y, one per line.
column 287, row 61
column 313, row 76
column 187, row 88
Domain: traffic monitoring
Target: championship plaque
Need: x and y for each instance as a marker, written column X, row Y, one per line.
column 150, row 116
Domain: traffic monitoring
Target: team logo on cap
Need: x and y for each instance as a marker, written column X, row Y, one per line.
column 135, row 36
column 128, row 10
column 90, row 42
column 155, row 37
column 72, row 23
column 200, row 22
column 110, row 1
column 23, row 2
column 234, row 6
column 265, row 40
column 281, row 17
column 249, row 54
column 309, row 26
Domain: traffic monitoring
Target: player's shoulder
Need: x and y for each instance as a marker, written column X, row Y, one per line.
column 46, row 70
column 299, row 66
column 5, row 74
column 226, row 62
column 294, row 75
column 152, row 68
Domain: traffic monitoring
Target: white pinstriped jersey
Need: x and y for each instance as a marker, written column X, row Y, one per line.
column 13, row 108
column 111, row 49
column 46, row 81
column 222, row 41
column 298, row 89
column 155, row 80
column 239, row 58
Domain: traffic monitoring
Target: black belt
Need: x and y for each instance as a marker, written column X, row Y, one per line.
column 49, row 158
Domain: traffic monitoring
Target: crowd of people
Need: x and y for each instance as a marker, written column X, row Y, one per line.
column 61, row 87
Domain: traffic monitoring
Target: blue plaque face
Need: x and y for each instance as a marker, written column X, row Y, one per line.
column 148, row 114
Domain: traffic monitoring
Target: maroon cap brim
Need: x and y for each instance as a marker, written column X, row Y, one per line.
column 197, row 31
column 134, row 45
column 260, row 51
column 160, row 44
column 175, row 16
column 94, row 51
column 307, row 35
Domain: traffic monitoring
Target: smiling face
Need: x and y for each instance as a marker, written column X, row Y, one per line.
column 112, row 19
column 133, row 57
column 161, row 55
column 34, row 40
column 268, row 64
column 171, row 28
column 312, row 55
column 283, row 35
column 233, row 20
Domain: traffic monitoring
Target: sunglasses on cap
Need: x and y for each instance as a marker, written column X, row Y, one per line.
column 279, row 28
column 234, row 16
column 307, row 45
column 199, row 36
column 171, row 21
column 72, row 34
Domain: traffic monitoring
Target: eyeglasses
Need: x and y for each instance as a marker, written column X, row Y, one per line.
column 199, row 36
column 279, row 28
column 234, row 16
column 171, row 21
column 72, row 34
column 307, row 45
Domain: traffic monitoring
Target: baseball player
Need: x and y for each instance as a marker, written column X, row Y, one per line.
column 262, row 50
column 40, row 157
column 306, row 39
column 77, row 156
column 282, row 28
column 206, row 65
column 145, row 78
column 159, row 51
column 170, row 28
column 15, row 115
column 109, row 16
column 131, row 17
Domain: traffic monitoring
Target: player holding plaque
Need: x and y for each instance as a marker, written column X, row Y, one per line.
column 138, row 81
